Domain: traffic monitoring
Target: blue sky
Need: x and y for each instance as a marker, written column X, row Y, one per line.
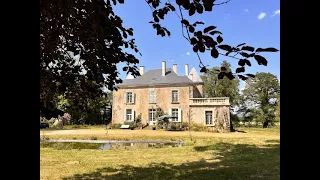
column 255, row 22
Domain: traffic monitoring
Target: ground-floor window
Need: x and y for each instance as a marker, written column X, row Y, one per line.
column 129, row 115
column 152, row 114
column 209, row 120
column 175, row 113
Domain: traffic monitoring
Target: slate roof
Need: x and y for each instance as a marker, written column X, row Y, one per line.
column 154, row 77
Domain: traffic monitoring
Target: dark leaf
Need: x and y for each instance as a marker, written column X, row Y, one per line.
column 247, row 48
column 229, row 75
column 203, row 69
column 171, row 7
column 242, row 77
column 186, row 4
column 208, row 7
column 202, row 48
column 225, row 47
column 199, row 8
column 192, row 10
column 124, row 34
column 195, row 48
column 209, row 28
column 156, row 19
column 244, row 54
column 180, row 2
column 185, row 22
column 130, row 33
column 151, row 22
column 214, row 53
column 223, row 68
column 125, row 68
column 251, row 75
column 197, row 22
column 191, row 29
column 121, row 1
column 193, row 41
column 241, row 44
column 240, row 70
column 248, row 62
column 215, row 32
column 219, row 39
column 242, row 62
column 270, row 49
column 261, row 60
column 221, row 75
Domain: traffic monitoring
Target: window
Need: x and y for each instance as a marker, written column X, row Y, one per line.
column 129, row 115
column 152, row 97
column 175, row 96
column 152, row 113
column 129, row 97
column 209, row 120
column 175, row 114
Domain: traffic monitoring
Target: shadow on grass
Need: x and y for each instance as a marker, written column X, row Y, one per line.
column 229, row 161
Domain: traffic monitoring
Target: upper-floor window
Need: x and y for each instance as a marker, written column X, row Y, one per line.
column 152, row 97
column 209, row 120
column 175, row 96
column 129, row 97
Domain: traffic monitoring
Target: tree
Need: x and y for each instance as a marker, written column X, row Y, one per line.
column 278, row 112
column 92, row 30
column 261, row 96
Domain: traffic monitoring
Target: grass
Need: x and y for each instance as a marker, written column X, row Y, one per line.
column 254, row 154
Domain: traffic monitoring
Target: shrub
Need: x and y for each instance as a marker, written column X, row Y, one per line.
column 66, row 119
column 198, row 127
column 58, row 124
column 115, row 126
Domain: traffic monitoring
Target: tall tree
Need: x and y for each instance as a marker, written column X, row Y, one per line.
column 261, row 96
column 92, row 30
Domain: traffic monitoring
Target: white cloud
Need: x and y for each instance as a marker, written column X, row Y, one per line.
column 277, row 12
column 172, row 60
column 188, row 53
column 261, row 15
column 246, row 10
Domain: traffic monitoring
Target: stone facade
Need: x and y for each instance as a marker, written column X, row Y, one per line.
column 158, row 88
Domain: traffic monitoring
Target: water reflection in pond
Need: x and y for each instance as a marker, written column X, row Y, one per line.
column 106, row 146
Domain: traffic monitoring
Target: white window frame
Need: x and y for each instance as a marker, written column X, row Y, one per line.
column 128, row 99
column 205, row 118
column 152, row 97
column 129, row 115
column 152, row 112
column 176, row 119
column 172, row 96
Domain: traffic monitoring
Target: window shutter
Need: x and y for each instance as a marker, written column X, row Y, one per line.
column 133, row 115
column 133, row 98
column 179, row 115
column 170, row 113
column 124, row 115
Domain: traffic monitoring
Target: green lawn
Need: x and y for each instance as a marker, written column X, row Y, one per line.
column 254, row 154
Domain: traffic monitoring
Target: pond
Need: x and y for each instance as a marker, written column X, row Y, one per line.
column 108, row 145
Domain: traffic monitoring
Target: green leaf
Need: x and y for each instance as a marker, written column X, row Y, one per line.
column 209, row 28
column 214, row 53
column 219, row 39
column 270, row 49
column 247, row 48
column 261, row 60
column 240, row 70
column 215, row 32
